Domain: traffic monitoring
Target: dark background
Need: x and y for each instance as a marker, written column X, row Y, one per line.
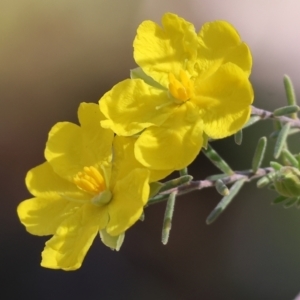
column 56, row 54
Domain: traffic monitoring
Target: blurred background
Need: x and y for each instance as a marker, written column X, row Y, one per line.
column 56, row 54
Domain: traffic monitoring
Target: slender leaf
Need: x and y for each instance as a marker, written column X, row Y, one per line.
column 225, row 201
column 286, row 110
column 280, row 142
column 217, row 160
column 167, row 224
column 259, row 153
column 238, row 137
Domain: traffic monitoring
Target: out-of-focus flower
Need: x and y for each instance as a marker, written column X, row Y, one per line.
column 287, row 182
column 83, row 189
column 188, row 86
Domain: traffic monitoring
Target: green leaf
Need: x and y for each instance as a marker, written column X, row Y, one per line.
column 155, row 188
column 279, row 199
column 167, row 224
column 280, row 142
column 252, row 120
column 217, row 160
column 238, row 137
column 176, row 182
column 290, row 202
column 275, row 165
column 290, row 158
column 225, row 201
column 221, row 188
column 292, row 131
column 290, row 93
column 138, row 73
column 259, row 153
column 216, row 177
column 286, row 110
column 183, row 172
column 263, row 181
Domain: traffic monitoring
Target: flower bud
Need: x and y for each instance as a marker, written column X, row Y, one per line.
column 287, row 182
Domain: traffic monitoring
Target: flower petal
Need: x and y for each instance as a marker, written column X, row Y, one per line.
column 42, row 216
column 173, row 145
column 125, row 161
column 224, row 101
column 159, row 51
column 132, row 105
column 220, row 43
column 96, row 139
column 70, row 147
column 130, row 195
column 43, row 182
column 68, row 247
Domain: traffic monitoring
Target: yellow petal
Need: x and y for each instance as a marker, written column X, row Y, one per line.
column 130, row 195
column 224, row 101
column 96, row 139
column 220, row 43
column 159, row 51
column 125, row 161
column 173, row 145
column 42, row 216
column 132, row 105
column 68, row 247
column 70, row 148
column 43, row 182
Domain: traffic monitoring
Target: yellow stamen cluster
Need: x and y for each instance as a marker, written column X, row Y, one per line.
column 181, row 89
column 90, row 180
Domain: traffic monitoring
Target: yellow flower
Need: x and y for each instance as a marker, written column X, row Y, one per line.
column 80, row 190
column 188, row 85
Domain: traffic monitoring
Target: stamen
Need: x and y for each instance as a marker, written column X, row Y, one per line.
column 181, row 90
column 90, row 180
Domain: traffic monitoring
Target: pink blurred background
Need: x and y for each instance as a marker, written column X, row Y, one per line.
column 56, row 54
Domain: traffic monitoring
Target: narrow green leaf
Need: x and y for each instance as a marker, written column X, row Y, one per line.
column 279, row 199
column 183, row 172
column 280, row 142
column 138, row 73
column 225, row 201
column 290, row 202
column 290, row 158
column 217, row 160
column 157, row 199
column 216, row 177
column 265, row 180
column 167, row 224
column 286, row 110
column 271, row 187
column 176, row 182
column 238, row 137
column 290, row 93
column 259, row 153
column 221, row 188
column 142, row 217
column 155, row 188
column 275, row 165
column 252, row 121
column 275, row 134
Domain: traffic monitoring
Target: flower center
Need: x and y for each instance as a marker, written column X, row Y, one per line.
column 181, row 89
column 90, row 180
